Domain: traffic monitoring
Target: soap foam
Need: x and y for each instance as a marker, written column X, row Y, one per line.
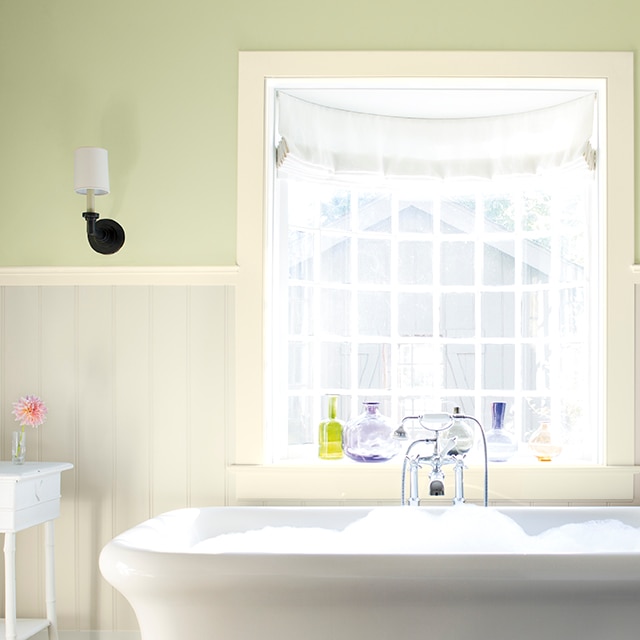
column 457, row 530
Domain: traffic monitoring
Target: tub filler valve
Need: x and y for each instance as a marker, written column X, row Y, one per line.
column 451, row 440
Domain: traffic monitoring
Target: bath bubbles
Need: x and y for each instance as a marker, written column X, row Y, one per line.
column 272, row 540
column 462, row 529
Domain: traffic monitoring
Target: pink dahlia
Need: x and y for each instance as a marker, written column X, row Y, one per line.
column 30, row 410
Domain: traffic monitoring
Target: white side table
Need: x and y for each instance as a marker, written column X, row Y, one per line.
column 29, row 495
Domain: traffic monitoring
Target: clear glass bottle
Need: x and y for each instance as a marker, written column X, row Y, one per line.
column 463, row 433
column 330, row 433
column 501, row 445
column 369, row 437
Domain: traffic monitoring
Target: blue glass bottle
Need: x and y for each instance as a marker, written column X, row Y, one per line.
column 501, row 445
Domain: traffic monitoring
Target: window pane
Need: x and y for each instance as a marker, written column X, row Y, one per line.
column 374, row 313
column 498, row 315
column 335, row 208
column 457, row 315
column 335, row 259
column 374, row 366
column 335, row 365
column 335, row 305
column 374, row 266
column 374, row 212
column 537, row 212
column 300, row 310
column 499, row 213
column 535, row 314
column 572, row 252
column 415, row 314
column 535, row 367
column 302, row 206
column 536, row 264
column 459, row 366
column 300, row 420
column 419, row 366
column 498, row 368
column 456, row 263
column 415, row 216
column 301, row 255
column 415, row 262
column 573, row 318
column 457, row 215
column 299, row 365
column 499, row 264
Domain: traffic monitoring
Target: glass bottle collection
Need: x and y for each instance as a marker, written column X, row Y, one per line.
column 369, row 436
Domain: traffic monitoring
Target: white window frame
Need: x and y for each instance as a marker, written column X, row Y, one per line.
column 251, row 479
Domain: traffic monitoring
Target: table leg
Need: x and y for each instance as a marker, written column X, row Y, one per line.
column 10, row 585
column 50, row 579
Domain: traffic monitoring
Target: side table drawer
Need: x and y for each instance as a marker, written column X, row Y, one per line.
column 29, row 491
column 34, row 499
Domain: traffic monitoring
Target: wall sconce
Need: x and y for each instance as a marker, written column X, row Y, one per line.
column 91, row 178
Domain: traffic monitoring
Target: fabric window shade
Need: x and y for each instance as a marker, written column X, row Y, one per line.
column 321, row 141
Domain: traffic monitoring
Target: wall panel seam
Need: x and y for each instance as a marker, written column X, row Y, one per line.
column 150, row 421
column 76, row 453
column 189, row 399
column 114, row 437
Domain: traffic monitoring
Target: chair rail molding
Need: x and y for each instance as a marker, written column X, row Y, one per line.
column 66, row 276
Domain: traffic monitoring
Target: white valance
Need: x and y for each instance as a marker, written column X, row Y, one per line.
column 325, row 141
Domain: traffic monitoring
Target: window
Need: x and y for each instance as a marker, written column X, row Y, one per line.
column 427, row 294
column 511, row 247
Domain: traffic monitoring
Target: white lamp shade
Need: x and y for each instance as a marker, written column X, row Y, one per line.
column 91, row 166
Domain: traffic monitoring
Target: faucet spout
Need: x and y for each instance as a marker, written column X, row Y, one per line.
column 436, row 488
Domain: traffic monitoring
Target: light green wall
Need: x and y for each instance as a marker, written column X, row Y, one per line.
column 154, row 81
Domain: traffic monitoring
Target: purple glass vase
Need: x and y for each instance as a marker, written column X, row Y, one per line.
column 369, row 437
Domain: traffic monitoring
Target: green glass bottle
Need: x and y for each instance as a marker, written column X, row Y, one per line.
column 330, row 433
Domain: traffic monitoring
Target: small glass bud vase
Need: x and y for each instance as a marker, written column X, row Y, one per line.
column 18, row 447
column 330, row 433
column 544, row 443
column 501, row 445
column 369, row 437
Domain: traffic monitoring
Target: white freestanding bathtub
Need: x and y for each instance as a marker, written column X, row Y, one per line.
column 181, row 590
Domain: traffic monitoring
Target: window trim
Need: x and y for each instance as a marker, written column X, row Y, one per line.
column 255, row 68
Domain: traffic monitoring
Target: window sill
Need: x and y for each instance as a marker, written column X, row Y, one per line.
column 335, row 482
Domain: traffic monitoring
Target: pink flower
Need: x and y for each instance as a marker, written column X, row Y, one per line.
column 30, row 410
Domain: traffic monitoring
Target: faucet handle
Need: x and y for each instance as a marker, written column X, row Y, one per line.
column 444, row 445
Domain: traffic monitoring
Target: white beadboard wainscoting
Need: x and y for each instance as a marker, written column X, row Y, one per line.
column 136, row 379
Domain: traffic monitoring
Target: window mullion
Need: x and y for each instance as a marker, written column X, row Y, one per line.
column 353, row 300
column 393, row 301
column 478, row 235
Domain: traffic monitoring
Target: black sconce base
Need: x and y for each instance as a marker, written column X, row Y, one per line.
column 105, row 236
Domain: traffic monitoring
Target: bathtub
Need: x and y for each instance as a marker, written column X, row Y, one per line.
column 177, row 593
